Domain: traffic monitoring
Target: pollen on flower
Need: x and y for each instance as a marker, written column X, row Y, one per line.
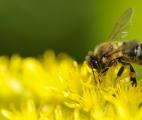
column 58, row 88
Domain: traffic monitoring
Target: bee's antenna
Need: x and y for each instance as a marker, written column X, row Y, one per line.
column 94, row 76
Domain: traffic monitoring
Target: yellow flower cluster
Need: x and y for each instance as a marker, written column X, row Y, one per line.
column 58, row 88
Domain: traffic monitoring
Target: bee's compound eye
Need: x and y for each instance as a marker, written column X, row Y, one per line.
column 95, row 64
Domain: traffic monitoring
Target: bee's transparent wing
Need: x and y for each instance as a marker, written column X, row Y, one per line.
column 120, row 30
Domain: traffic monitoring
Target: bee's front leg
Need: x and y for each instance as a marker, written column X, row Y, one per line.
column 113, row 62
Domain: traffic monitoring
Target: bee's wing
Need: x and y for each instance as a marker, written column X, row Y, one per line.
column 120, row 30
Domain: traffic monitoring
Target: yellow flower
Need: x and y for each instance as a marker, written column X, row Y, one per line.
column 58, row 88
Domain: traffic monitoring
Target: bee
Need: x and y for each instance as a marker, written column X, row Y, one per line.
column 116, row 49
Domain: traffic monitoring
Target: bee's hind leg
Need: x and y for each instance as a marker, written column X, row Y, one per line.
column 132, row 72
column 133, row 78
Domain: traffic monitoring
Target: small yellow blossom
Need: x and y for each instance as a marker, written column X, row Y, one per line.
column 58, row 88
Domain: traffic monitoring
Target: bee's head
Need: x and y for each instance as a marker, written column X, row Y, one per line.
column 93, row 62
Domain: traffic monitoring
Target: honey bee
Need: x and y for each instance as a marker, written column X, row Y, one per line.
column 114, row 50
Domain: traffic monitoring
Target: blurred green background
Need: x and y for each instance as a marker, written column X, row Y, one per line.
column 29, row 27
